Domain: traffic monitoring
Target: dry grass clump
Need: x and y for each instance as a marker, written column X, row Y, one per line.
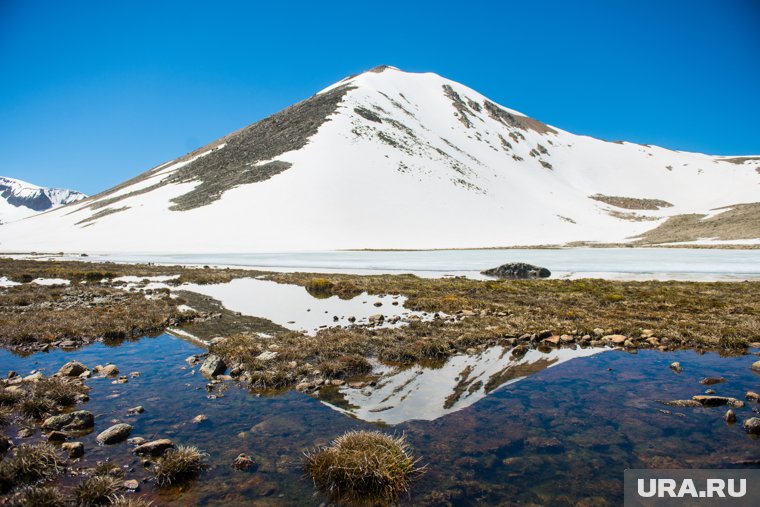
column 6, row 415
column 9, row 398
column 345, row 366
column 107, row 468
column 363, row 468
column 180, row 464
column 130, row 501
column 38, row 496
column 96, row 490
column 36, row 407
column 30, row 463
column 63, row 392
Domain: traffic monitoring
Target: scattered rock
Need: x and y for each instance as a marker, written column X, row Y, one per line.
column 199, row 419
column 243, row 462
column 109, row 370
column 716, row 401
column 730, row 416
column 57, row 436
column 756, row 366
column 710, row 391
column 376, row 318
column 131, row 484
column 708, row 381
column 78, row 420
column 517, row 270
column 752, row 396
column 74, row 449
column 552, row 340
column 212, row 366
column 72, row 369
column 676, row 367
column 337, row 382
column 25, row 433
column 154, row 448
column 115, row 434
column 682, row 403
column 136, row 410
column 267, row 355
column 752, row 426
column 136, row 441
column 617, row 339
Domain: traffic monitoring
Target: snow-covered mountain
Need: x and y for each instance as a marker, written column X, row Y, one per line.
column 19, row 199
column 390, row 159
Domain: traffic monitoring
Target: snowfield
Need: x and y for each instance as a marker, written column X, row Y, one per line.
column 407, row 161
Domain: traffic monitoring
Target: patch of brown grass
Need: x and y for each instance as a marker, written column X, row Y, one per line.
column 363, row 468
column 180, row 464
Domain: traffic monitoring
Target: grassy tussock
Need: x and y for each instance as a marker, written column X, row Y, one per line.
column 178, row 465
column 30, row 463
column 130, row 501
column 96, row 490
column 43, row 397
column 39, row 496
column 363, row 468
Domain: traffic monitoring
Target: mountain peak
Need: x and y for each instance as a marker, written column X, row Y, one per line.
column 394, row 159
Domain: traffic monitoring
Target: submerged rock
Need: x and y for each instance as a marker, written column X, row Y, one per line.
column 676, row 367
column 682, row 403
column 243, row 462
column 78, row 420
column 730, row 416
column 716, row 401
column 517, row 270
column 74, row 449
column 752, row 426
column 708, row 381
column 114, row 434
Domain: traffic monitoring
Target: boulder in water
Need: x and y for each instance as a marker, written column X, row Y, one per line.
column 518, row 270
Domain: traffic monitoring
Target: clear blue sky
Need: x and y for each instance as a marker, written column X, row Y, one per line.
column 92, row 93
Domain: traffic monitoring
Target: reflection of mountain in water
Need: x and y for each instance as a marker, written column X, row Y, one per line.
column 429, row 393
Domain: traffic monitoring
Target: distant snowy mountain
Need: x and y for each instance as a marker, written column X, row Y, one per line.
column 390, row 159
column 19, row 199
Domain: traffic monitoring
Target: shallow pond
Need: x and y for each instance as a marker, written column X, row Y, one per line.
column 554, row 435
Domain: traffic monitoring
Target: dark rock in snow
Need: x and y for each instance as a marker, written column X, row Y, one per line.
column 518, row 270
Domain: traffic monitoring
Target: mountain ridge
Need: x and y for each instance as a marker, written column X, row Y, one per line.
column 20, row 199
column 389, row 159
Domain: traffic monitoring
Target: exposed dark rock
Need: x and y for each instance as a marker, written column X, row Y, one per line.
column 115, row 434
column 518, row 270
column 72, row 369
column 730, row 416
column 752, row 426
column 708, row 381
column 676, row 367
column 243, row 462
column 72, row 421
column 154, row 448
column 213, row 366
column 74, row 449
column 716, row 401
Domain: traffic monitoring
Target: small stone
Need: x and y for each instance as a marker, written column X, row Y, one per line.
column 676, row 367
column 134, row 374
column 708, row 381
column 109, row 370
column 154, row 448
column 57, row 436
column 376, row 318
column 136, row 410
column 617, row 339
column 710, row 391
column 752, row 426
column 756, row 366
column 74, row 449
column 243, row 462
column 752, row 396
column 337, row 382
column 730, row 416
column 115, row 434
column 199, row 418
column 378, row 304
column 136, row 441
column 25, row 433
column 267, row 355
column 552, row 340
column 131, row 484
column 72, row 369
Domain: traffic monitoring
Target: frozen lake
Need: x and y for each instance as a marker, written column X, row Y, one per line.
column 610, row 263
